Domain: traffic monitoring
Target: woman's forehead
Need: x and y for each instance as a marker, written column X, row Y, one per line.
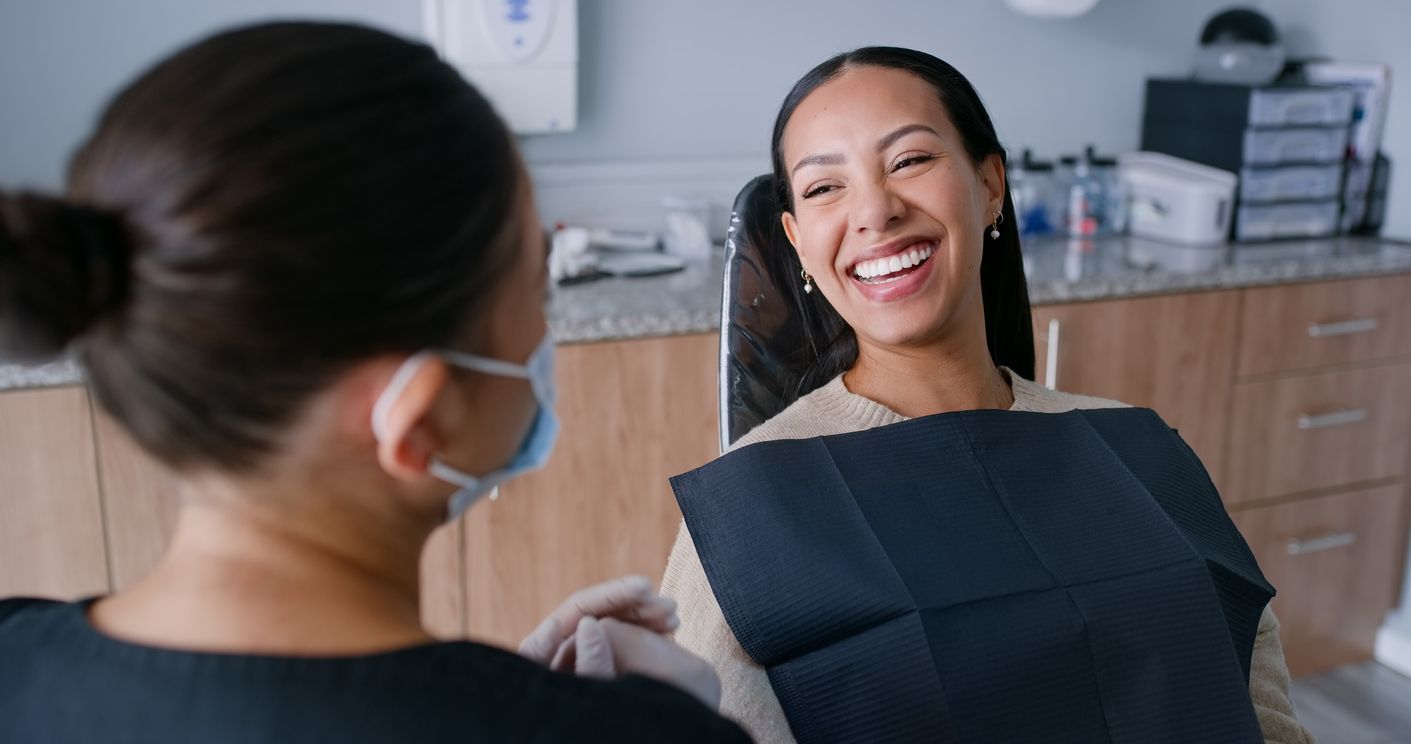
column 862, row 101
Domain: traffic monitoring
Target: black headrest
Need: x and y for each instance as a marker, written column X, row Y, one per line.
column 761, row 334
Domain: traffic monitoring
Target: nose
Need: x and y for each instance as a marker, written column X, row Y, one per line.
column 876, row 208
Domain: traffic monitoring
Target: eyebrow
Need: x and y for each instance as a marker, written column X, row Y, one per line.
column 830, row 159
column 900, row 132
column 882, row 144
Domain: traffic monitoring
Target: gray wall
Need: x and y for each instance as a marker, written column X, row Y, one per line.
column 686, row 80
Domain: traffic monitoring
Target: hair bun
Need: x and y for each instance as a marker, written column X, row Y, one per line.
column 62, row 268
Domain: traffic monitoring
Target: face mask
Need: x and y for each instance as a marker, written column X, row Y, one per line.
column 533, row 451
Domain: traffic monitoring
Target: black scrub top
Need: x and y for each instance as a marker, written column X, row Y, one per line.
column 63, row 681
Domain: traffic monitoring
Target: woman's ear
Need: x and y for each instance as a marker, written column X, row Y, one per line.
column 791, row 231
column 992, row 175
column 401, row 417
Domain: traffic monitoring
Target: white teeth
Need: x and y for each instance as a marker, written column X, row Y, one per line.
column 891, row 264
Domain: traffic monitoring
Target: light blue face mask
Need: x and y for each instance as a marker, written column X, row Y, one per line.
column 538, row 443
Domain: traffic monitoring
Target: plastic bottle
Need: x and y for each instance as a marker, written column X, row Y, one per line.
column 1032, row 186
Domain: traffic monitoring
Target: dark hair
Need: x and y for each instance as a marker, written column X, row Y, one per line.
column 832, row 344
column 251, row 217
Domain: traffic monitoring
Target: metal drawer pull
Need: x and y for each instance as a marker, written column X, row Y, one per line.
column 1051, row 360
column 1342, row 328
column 1331, row 541
column 1336, row 418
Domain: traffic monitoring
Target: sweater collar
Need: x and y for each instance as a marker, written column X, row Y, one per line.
column 834, row 399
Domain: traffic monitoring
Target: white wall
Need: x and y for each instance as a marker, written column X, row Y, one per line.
column 60, row 60
column 683, row 80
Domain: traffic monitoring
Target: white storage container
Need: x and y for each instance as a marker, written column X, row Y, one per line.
column 1273, row 107
column 1275, row 146
column 1177, row 200
column 1270, row 221
column 1291, row 183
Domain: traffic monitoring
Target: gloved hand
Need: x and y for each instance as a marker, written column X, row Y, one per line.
column 618, row 628
column 629, row 599
column 608, row 648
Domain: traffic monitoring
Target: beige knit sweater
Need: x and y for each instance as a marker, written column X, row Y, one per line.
column 746, row 694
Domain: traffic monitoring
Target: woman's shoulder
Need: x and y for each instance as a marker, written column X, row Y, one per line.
column 1035, row 398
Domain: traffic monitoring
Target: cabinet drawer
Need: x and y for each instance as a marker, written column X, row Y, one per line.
column 1313, row 325
column 1275, row 107
column 1305, row 182
column 1318, row 431
column 1336, row 563
column 1299, row 220
column 1276, row 146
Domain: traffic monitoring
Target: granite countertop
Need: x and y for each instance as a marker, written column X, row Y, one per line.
column 1120, row 267
column 1059, row 271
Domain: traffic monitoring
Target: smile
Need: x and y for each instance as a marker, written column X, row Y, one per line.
column 894, row 267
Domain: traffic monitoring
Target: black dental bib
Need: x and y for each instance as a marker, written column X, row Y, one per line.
column 986, row 576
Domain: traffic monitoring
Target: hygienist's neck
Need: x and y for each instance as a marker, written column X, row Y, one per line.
column 276, row 573
column 954, row 374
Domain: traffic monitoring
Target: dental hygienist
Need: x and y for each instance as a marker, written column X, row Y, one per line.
column 301, row 266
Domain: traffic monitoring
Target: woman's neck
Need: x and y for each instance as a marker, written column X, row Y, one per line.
column 924, row 380
column 242, row 577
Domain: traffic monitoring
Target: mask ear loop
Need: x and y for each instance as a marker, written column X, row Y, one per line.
column 398, row 385
column 488, row 366
column 485, row 365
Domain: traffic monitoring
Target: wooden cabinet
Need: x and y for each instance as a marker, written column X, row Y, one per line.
column 1321, row 413
column 633, row 414
column 1172, row 354
column 51, row 510
column 1333, row 560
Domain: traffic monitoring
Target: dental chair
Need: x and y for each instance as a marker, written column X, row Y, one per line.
column 762, row 342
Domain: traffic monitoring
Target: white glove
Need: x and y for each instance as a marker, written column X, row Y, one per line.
column 607, row 649
column 629, row 599
column 617, row 628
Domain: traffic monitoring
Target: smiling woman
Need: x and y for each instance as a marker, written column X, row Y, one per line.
column 919, row 173
column 904, row 571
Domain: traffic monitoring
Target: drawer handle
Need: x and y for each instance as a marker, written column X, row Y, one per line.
column 1342, row 328
column 1329, row 420
column 1051, row 358
column 1331, row 541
